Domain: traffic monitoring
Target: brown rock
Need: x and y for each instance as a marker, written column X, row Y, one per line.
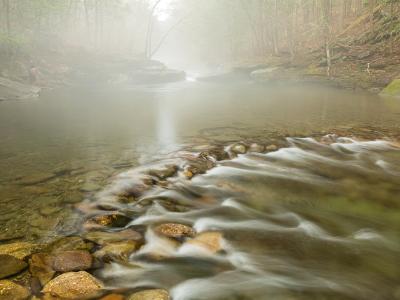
column 113, row 297
column 174, row 230
column 41, row 267
column 119, row 251
column 156, row 294
column 12, row 291
column 108, row 220
column 102, row 237
column 10, row 265
column 73, row 285
column 76, row 260
column 212, row 241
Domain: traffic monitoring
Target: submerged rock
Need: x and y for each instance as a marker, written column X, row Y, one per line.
column 156, row 294
column 10, row 265
column 211, row 241
column 108, row 220
column 20, row 250
column 73, row 285
column 164, row 172
column 12, row 291
column 119, row 251
column 69, row 243
column 272, row 148
column 102, row 237
column 256, row 148
column 239, row 148
column 76, row 260
column 113, row 297
column 174, row 230
column 41, row 267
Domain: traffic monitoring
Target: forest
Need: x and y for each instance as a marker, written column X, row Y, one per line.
column 199, row 149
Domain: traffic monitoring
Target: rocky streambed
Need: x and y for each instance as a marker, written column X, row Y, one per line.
column 146, row 223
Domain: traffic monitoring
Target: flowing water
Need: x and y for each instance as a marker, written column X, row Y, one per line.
column 312, row 220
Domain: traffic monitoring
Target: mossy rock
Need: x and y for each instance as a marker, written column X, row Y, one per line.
column 393, row 89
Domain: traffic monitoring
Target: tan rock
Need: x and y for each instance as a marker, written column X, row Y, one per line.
column 174, row 230
column 239, row 148
column 212, row 241
column 12, row 291
column 119, row 251
column 73, row 285
column 257, row 148
column 271, row 148
column 102, row 237
column 156, row 294
column 20, row 250
column 41, row 267
column 69, row 243
column 76, row 260
column 113, row 297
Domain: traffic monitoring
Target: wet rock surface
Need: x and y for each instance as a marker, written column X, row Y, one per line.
column 10, row 265
column 77, row 260
column 174, row 230
column 73, row 285
column 210, row 241
column 41, row 267
column 102, row 237
column 157, row 294
column 12, row 291
column 117, row 251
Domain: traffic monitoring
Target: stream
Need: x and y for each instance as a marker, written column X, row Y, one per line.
column 314, row 215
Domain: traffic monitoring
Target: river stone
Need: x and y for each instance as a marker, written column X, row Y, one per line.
column 164, row 172
column 12, row 291
column 113, row 297
column 174, row 230
column 212, row 241
column 239, row 148
column 101, row 237
column 271, row 148
column 76, row 260
column 257, row 148
column 156, row 294
column 69, row 243
column 20, row 250
column 41, row 267
column 119, row 251
column 73, row 285
column 10, row 265
column 108, row 220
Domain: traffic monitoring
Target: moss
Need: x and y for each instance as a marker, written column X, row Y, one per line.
column 393, row 89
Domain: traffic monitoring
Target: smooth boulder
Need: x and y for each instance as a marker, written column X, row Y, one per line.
column 174, row 230
column 76, row 260
column 12, row 291
column 73, row 285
